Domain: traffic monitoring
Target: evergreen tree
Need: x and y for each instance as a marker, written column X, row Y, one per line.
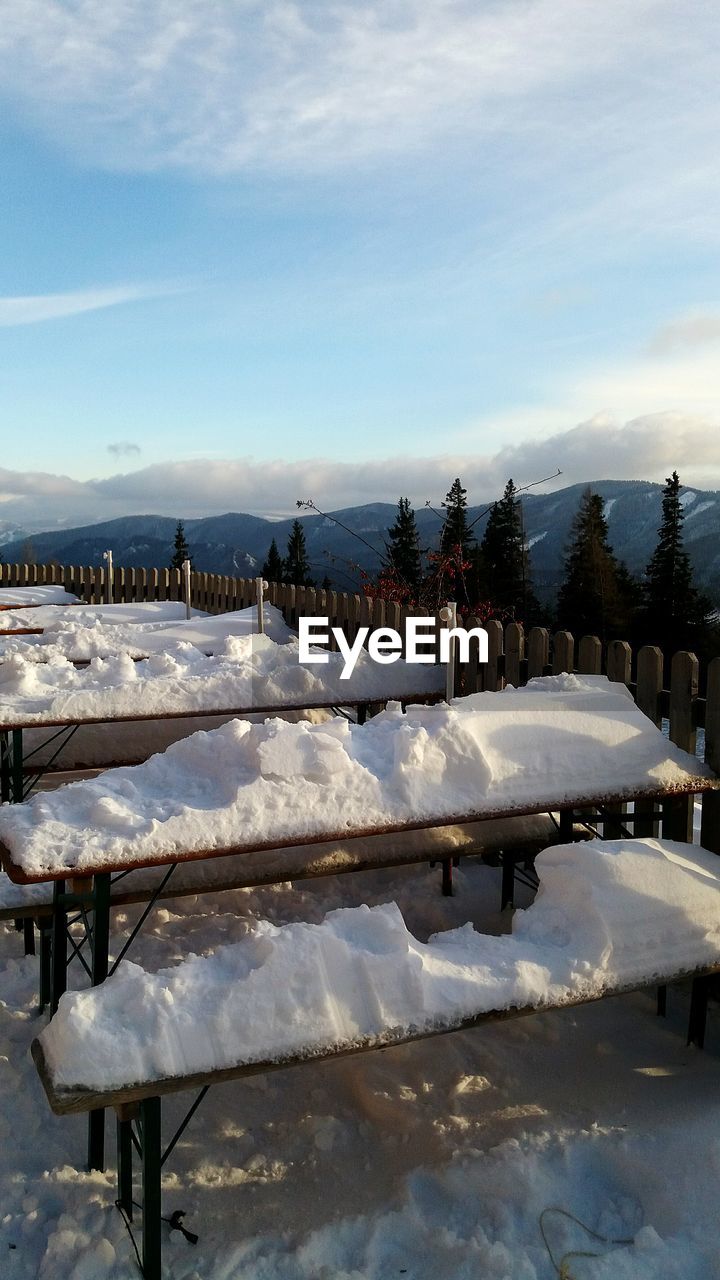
column 182, row 550
column 454, row 535
column 505, row 561
column 458, row 550
column 594, row 598
column 296, row 566
column 403, row 551
column 675, row 613
column 273, row 567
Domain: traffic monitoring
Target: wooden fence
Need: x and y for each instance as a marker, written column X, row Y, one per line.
column 513, row 656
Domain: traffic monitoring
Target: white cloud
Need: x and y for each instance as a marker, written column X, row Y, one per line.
column 678, row 378
column 56, row 306
column 646, row 448
column 699, row 329
column 218, row 85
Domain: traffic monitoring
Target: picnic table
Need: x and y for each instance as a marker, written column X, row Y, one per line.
column 260, row 676
column 563, row 744
column 47, row 611
column 104, row 631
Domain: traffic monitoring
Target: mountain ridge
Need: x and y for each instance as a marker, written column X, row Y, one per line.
column 237, row 543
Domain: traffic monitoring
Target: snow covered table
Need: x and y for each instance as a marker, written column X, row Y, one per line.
column 250, row 674
column 32, row 597
column 48, row 610
column 564, row 743
column 621, row 915
column 95, row 632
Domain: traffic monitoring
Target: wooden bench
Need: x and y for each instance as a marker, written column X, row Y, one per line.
column 138, row 1107
column 504, row 841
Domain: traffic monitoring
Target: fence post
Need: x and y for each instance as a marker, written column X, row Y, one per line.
column 471, row 671
column 589, row 656
column 678, row 811
column 514, row 652
column 649, row 686
column 493, row 670
column 710, row 826
column 619, row 661
column 563, row 653
column 538, row 651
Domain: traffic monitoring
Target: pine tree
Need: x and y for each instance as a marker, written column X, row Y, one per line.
column 454, row 536
column 505, row 561
column 182, row 550
column 296, row 566
column 458, row 550
column 273, row 567
column 675, row 613
column 594, row 596
column 403, row 551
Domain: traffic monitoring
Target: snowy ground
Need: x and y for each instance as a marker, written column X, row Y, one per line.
column 432, row 1160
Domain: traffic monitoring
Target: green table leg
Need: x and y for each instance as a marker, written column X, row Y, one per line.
column 150, row 1117
column 58, row 959
column 100, row 945
column 125, row 1166
column 17, row 766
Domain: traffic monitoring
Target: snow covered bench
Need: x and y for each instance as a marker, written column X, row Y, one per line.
column 607, row 920
column 507, row 840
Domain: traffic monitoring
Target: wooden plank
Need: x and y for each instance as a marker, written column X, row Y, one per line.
column 538, row 650
column 514, row 652
column 549, row 803
column 375, row 853
column 710, row 826
column 678, row 816
column 619, row 664
column 647, row 697
column 589, row 656
column 619, row 661
column 496, row 651
column 563, row 658
column 72, row 1101
column 470, row 672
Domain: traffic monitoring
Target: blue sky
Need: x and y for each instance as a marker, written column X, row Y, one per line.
column 253, row 250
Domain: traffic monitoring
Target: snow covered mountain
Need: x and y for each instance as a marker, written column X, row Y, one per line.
column 237, row 544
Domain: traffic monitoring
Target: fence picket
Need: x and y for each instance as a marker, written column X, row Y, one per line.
column 538, row 649
column 589, row 656
column 684, row 672
column 649, row 687
column 710, row 825
column 563, row 658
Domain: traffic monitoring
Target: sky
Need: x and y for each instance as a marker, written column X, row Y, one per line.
column 254, row 252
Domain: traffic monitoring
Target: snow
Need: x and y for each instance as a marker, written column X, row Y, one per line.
column 440, row 1158
column 48, row 615
column 249, row 671
column 701, row 506
column 100, row 637
column 31, row 596
column 607, row 914
column 249, row 784
column 295, row 862
column 435, row 1159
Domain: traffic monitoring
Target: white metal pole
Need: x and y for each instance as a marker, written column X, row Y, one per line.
column 108, row 555
column 186, row 580
column 260, row 588
column 449, row 615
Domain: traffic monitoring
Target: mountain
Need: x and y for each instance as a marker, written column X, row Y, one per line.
column 340, row 542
